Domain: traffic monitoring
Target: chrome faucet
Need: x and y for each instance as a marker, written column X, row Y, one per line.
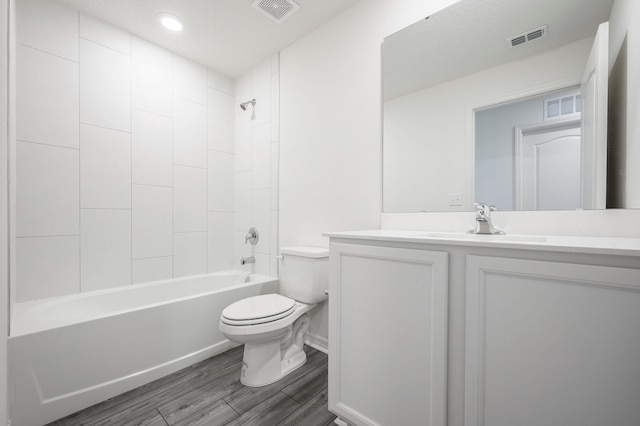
column 483, row 220
column 252, row 237
column 246, row 260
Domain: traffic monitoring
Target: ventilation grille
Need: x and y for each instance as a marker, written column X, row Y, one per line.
column 527, row 37
column 276, row 10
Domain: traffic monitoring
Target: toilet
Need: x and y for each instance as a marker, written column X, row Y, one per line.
column 272, row 326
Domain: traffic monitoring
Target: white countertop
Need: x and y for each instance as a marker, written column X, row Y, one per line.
column 573, row 244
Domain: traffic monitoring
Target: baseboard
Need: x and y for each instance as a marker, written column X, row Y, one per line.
column 317, row 342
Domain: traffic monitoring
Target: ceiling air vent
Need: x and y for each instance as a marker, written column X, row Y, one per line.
column 527, row 37
column 276, row 10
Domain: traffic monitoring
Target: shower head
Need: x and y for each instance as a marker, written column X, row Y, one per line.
column 245, row 105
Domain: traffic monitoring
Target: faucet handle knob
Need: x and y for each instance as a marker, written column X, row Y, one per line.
column 252, row 236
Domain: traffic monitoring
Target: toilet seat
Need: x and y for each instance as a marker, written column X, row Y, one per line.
column 258, row 310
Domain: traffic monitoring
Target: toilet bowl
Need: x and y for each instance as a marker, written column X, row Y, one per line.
column 265, row 333
column 273, row 326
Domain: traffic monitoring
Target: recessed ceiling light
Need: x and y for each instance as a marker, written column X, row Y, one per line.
column 170, row 22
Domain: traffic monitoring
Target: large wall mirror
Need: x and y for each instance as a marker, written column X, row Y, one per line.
column 497, row 101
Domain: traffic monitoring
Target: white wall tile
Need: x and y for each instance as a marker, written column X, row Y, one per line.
column 261, row 76
column 152, row 77
column 190, row 254
column 105, row 249
column 243, row 143
column 263, row 264
column 219, row 82
column 189, row 80
column 273, row 252
column 189, row 133
column 47, row 190
column 47, row 98
column 261, row 156
column 274, row 175
column 153, row 269
column 221, row 241
column 47, row 267
column 243, row 201
column 275, row 107
column 102, row 33
column 105, row 86
column 48, row 25
column 105, row 168
column 152, row 149
column 152, row 222
column 261, row 218
column 221, row 185
column 190, row 199
column 242, row 250
column 221, row 117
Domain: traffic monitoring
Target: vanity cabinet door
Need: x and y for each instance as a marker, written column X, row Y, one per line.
column 388, row 335
column 551, row 344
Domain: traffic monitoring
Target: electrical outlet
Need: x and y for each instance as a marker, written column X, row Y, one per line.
column 455, row 198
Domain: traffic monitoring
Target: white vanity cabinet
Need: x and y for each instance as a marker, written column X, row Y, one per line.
column 428, row 329
column 388, row 335
column 551, row 343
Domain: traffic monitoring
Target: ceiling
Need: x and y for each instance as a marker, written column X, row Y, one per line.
column 471, row 36
column 228, row 36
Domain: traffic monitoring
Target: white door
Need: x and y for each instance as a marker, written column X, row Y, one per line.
column 548, row 167
column 594, row 122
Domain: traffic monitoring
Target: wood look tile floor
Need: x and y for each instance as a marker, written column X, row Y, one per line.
column 209, row 393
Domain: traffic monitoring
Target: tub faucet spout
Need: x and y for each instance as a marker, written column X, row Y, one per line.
column 483, row 220
column 246, row 260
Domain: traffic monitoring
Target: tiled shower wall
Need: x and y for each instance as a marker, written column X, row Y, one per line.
column 126, row 159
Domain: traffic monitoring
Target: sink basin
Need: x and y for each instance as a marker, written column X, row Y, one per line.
column 483, row 237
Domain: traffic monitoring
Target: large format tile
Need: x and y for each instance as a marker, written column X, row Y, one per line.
column 261, row 80
column 261, row 157
column 190, row 199
column 47, row 98
column 221, row 176
column 49, row 26
column 152, row 222
column 152, row 149
column 102, row 33
column 189, row 80
column 105, row 168
column 105, row 238
column 221, row 127
column 189, row 253
column 219, row 82
column 152, row 269
column 189, row 133
column 105, row 86
column 243, row 201
column 221, row 241
column 152, row 78
column 261, row 218
column 47, row 267
column 47, row 190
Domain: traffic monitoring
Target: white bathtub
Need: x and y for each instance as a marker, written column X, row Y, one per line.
column 68, row 353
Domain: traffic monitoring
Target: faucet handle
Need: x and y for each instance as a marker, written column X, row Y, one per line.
column 252, row 236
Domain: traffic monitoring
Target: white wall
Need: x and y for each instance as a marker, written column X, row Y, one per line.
column 330, row 147
column 330, row 125
column 625, row 23
column 6, row 10
column 125, row 158
column 439, row 120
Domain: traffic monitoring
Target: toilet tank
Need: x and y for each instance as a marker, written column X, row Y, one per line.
column 304, row 273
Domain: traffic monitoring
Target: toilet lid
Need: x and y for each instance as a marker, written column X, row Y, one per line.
column 258, row 309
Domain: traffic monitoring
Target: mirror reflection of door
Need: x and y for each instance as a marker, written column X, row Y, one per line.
column 548, row 167
column 513, row 142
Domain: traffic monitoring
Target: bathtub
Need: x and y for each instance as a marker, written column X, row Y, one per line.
column 68, row 353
